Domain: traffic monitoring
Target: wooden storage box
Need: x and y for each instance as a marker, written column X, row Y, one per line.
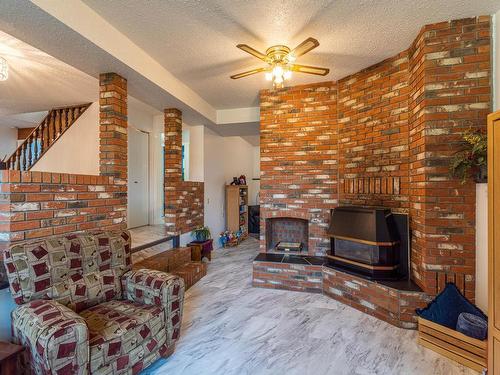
column 463, row 349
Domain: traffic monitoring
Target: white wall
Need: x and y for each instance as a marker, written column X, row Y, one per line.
column 224, row 158
column 240, row 157
column 8, row 141
column 196, row 153
column 482, row 246
column 194, row 136
column 156, row 142
column 149, row 120
column 77, row 151
column 215, row 180
column 255, row 184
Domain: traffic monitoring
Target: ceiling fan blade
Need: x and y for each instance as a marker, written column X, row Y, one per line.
column 248, row 73
column 251, row 51
column 309, row 69
column 304, row 47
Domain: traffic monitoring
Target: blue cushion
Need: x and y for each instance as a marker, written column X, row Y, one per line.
column 473, row 326
column 447, row 306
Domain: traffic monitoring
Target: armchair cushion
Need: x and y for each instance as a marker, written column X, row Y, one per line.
column 78, row 270
column 56, row 337
column 150, row 287
column 124, row 335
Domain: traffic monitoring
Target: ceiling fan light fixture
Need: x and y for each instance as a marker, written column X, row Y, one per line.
column 280, row 60
column 278, row 74
column 4, row 69
column 278, row 71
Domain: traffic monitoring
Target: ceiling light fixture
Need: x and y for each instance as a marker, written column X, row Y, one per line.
column 4, row 69
column 281, row 60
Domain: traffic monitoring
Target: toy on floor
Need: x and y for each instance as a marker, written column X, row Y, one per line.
column 230, row 238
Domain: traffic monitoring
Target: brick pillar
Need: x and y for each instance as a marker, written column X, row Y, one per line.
column 183, row 199
column 451, row 93
column 173, row 167
column 417, row 196
column 113, row 136
column 173, row 145
column 113, row 125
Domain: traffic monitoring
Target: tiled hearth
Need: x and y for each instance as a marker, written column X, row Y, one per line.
column 392, row 301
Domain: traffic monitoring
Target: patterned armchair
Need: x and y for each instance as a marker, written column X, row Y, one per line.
column 82, row 310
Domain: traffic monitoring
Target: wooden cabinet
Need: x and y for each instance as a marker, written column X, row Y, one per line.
column 494, row 243
column 237, row 208
column 9, row 358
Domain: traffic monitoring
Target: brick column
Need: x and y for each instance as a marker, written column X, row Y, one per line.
column 113, row 126
column 173, row 145
column 451, row 93
column 183, row 199
column 113, row 155
column 417, row 176
column 173, row 166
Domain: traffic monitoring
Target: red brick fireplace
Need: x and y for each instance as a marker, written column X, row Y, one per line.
column 384, row 137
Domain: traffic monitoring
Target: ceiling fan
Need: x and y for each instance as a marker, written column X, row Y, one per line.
column 281, row 61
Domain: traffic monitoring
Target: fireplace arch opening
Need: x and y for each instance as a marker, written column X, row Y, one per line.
column 284, row 234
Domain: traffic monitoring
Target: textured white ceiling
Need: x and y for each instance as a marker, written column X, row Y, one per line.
column 39, row 82
column 195, row 40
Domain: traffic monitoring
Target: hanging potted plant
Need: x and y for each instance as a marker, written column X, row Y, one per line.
column 472, row 160
column 201, row 234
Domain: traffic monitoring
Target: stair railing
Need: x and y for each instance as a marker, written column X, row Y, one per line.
column 41, row 139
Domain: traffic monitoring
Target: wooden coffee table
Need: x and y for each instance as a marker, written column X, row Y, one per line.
column 8, row 357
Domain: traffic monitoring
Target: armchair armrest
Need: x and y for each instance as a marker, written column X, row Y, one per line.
column 151, row 287
column 55, row 337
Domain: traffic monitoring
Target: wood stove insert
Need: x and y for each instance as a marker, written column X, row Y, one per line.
column 372, row 242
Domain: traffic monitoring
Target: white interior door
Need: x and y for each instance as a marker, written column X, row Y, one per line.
column 138, row 178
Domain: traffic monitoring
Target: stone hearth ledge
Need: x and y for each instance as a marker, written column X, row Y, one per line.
column 392, row 301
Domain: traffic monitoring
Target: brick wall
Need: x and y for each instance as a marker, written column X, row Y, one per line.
column 184, row 200
column 373, row 135
column 298, row 143
column 296, row 277
column 416, row 157
column 384, row 136
column 391, row 305
column 40, row 204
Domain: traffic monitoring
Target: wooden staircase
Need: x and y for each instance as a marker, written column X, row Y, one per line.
column 41, row 139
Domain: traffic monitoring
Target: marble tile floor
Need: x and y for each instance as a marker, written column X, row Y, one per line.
column 232, row 328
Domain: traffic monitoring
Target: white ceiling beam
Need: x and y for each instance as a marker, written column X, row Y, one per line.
column 84, row 20
column 238, row 115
